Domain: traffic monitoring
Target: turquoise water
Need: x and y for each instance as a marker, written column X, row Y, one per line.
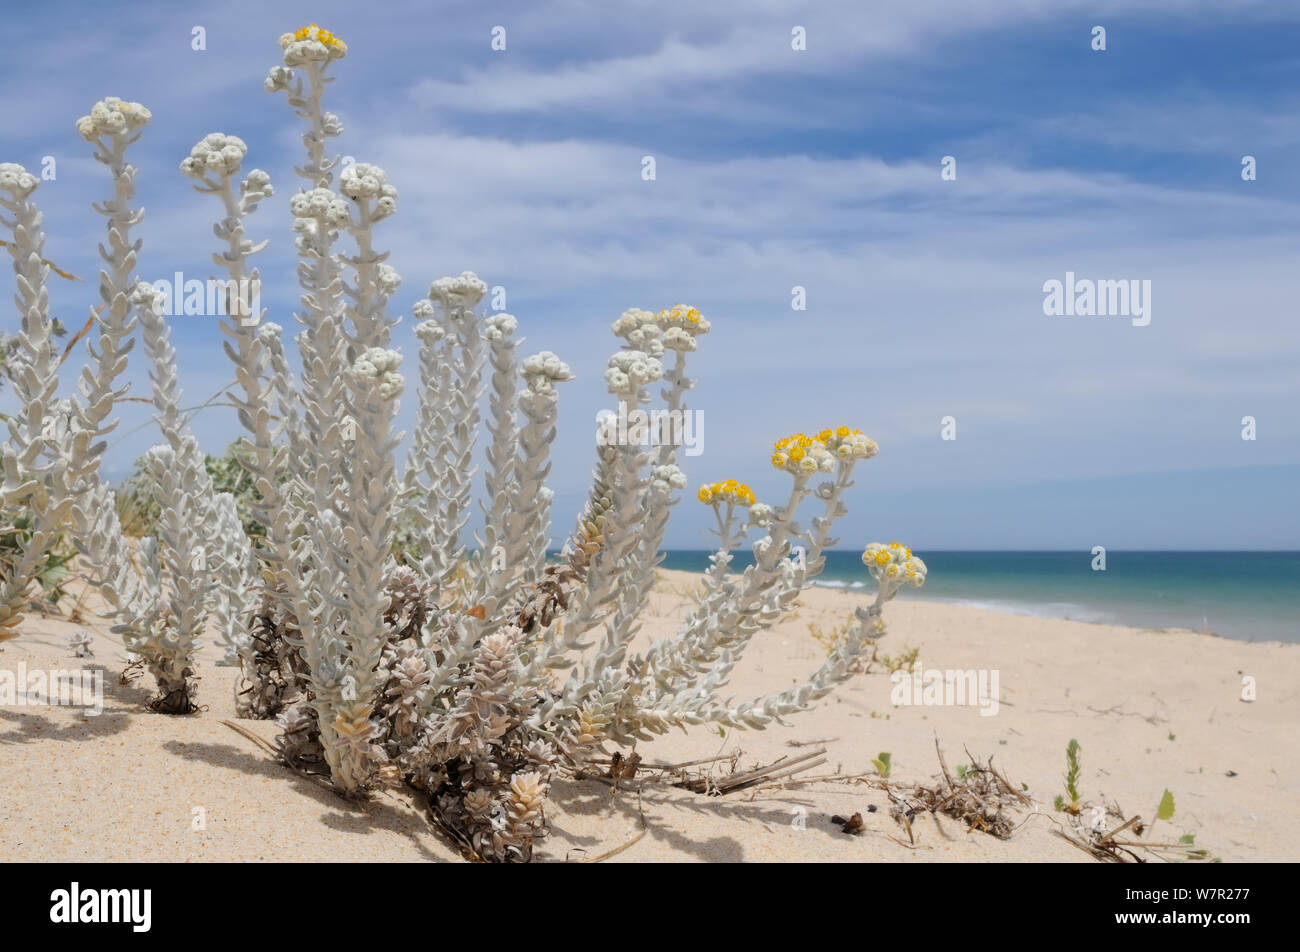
column 1251, row 596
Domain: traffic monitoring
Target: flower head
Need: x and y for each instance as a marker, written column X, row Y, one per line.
column 630, row 370
column 761, row 515
column 278, row 78
column 378, row 367
column 17, row 180
column 541, row 371
column 217, row 152
column 269, row 333
column 664, row 479
column 894, row 564
column 257, row 185
column 464, row 291
column 799, row 453
column 148, row 298
column 499, row 326
column 112, row 117
column 727, row 491
column 311, row 44
column 322, row 206
column 848, row 444
column 387, row 280
column 680, row 325
column 362, row 180
column 429, row 332
column 638, row 328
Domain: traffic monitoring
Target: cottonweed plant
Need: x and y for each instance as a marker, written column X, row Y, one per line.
column 473, row 670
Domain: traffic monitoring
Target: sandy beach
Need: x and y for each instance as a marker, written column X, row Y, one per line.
column 1151, row 710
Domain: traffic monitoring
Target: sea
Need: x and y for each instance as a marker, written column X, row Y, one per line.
column 1249, row 596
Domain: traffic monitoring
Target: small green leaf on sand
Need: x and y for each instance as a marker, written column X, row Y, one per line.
column 1166, row 809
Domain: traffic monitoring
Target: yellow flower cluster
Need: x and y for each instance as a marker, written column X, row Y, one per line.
column 311, row 44
column 726, row 491
column 807, row 454
column 848, row 443
column 320, row 37
column 679, row 325
column 894, row 563
column 678, row 314
column 799, row 453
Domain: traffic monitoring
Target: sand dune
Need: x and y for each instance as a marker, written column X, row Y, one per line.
column 1151, row 709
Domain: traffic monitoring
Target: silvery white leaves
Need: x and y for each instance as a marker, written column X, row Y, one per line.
column 323, row 446
column 35, row 470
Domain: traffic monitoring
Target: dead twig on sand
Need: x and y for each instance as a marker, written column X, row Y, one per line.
column 785, row 767
column 259, row 741
column 665, row 767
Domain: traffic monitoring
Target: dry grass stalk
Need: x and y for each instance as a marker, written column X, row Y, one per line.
column 785, row 767
column 980, row 798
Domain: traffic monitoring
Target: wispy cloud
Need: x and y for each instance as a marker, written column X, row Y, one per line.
column 775, row 169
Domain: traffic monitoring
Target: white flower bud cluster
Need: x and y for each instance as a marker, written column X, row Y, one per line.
column 362, row 181
column 217, row 152
column 306, row 230
column 322, row 206
column 311, row 44
column 422, row 310
column 111, row 117
column 278, row 78
column 630, row 321
column 380, row 365
column 638, row 328
column 499, row 326
column 664, row 479
column 256, row 186
column 146, row 297
column 17, row 180
column 463, row 291
column 630, row 370
column 544, row 369
column 760, row 515
column 852, row 444
column 386, row 205
column 269, row 333
column 387, row 280
column 429, row 332
column 680, row 326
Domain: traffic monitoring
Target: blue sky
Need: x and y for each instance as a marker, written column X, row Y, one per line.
column 777, row 168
